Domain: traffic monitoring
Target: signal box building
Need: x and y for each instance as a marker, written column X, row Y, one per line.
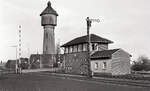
column 103, row 59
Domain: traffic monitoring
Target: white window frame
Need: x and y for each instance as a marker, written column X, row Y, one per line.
column 70, row 49
column 79, row 47
column 104, row 65
column 66, row 50
column 84, row 47
column 96, row 65
column 75, row 48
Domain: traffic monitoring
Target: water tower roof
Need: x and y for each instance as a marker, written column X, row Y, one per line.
column 49, row 10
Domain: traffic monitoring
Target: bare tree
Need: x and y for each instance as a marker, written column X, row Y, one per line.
column 142, row 63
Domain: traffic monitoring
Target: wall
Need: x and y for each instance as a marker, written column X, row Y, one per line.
column 48, row 60
column 49, row 40
column 102, row 47
column 75, row 63
column 100, row 65
column 42, row 60
column 83, row 47
column 49, row 19
column 76, row 48
column 120, row 63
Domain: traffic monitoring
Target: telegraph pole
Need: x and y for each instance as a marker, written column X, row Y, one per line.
column 89, row 42
column 89, row 21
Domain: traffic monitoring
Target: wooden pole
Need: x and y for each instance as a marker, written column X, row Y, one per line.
column 88, row 49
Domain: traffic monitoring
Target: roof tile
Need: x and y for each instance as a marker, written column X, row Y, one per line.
column 84, row 39
column 103, row 54
column 49, row 10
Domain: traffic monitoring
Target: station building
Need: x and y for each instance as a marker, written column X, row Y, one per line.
column 103, row 59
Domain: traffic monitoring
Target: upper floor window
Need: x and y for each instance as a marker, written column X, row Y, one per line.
column 80, row 48
column 66, row 50
column 96, row 65
column 84, row 47
column 70, row 49
column 75, row 48
column 94, row 46
column 104, row 65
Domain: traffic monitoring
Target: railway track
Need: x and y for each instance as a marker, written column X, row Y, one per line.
column 141, row 83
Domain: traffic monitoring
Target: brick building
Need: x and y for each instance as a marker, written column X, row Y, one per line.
column 103, row 60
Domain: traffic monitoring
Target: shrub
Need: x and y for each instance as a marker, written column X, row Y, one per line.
column 142, row 63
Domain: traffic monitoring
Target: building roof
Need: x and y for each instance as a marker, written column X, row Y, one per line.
column 84, row 39
column 103, row 54
column 49, row 10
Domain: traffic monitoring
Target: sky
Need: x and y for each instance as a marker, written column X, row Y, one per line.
column 125, row 22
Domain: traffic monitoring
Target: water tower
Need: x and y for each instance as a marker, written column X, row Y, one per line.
column 49, row 21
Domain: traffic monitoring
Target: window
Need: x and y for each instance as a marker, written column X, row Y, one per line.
column 70, row 49
column 94, row 46
column 104, row 65
column 66, row 50
column 37, row 60
column 84, row 47
column 80, row 48
column 70, row 68
column 96, row 66
column 75, row 48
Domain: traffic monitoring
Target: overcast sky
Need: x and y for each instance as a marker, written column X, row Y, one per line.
column 126, row 22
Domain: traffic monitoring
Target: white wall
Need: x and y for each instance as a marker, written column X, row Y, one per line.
column 120, row 63
column 100, row 66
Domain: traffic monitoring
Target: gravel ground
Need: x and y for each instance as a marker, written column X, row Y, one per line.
column 48, row 82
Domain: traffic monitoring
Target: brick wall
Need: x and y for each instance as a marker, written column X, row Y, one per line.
column 42, row 60
column 75, row 63
column 48, row 60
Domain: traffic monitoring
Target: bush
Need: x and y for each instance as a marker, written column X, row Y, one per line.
column 138, row 67
column 24, row 65
column 11, row 64
column 142, row 64
column 147, row 68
